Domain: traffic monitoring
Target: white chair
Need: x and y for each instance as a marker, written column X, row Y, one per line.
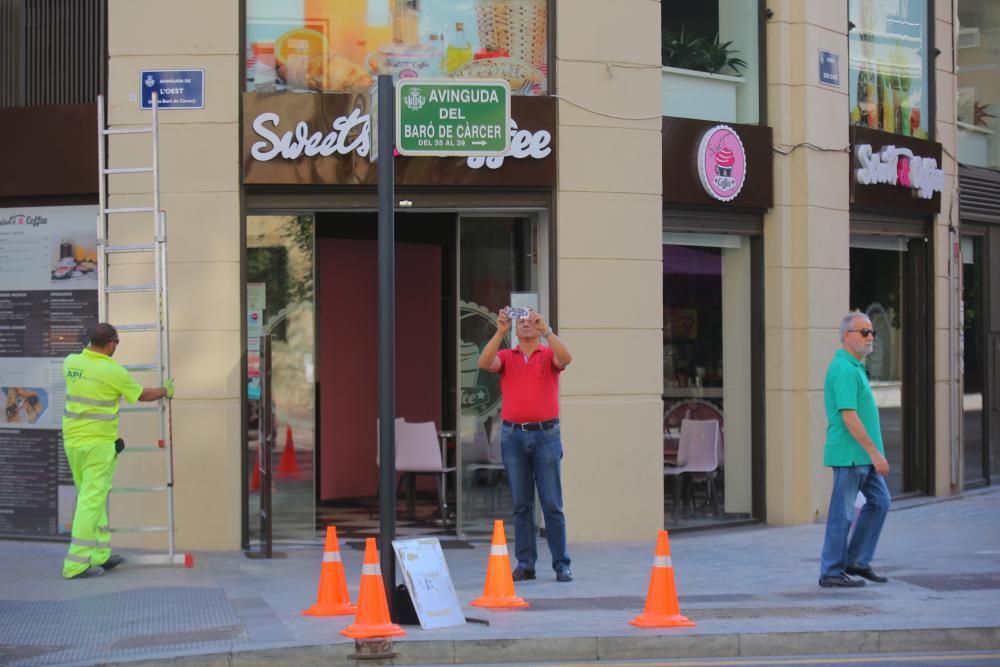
column 698, row 452
column 482, row 453
column 418, row 452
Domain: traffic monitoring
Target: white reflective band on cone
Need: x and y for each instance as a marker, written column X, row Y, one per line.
column 662, row 561
column 331, row 557
column 498, row 549
column 371, row 569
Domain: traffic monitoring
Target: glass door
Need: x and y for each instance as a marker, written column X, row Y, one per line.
column 501, row 261
column 279, row 275
column 889, row 284
column 974, row 427
column 708, row 302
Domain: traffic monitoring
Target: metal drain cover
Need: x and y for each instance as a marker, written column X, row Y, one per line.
column 944, row 583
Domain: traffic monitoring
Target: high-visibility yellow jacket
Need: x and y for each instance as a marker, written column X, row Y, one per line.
column 95, row 384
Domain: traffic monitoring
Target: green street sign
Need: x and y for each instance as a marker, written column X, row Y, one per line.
column 469, row 117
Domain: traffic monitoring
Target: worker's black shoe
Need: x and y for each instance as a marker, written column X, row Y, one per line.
column 522, row 574
column 111, row 563
column 90, row 572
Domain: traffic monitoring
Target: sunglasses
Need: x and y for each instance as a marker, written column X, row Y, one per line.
column 865, row 333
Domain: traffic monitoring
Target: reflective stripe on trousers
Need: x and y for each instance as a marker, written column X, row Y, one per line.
column 93, row 467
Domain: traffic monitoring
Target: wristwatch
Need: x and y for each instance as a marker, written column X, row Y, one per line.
column 547, row 332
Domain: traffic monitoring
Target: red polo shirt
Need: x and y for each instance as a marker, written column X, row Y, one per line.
column 530, row 386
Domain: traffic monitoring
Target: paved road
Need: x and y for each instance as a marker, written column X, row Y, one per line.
column 930, row 659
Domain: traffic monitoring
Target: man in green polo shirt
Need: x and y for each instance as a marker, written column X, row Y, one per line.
column 95, row 384
column 855, row 452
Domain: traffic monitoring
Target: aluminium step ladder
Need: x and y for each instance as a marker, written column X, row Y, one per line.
column 163, row 445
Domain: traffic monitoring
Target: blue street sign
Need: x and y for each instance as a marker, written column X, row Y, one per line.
column 176, row 89
column 829, row 68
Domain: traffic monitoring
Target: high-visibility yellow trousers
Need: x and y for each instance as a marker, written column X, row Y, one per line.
column 93, row 466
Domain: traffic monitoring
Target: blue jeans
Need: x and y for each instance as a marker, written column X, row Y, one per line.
column 532, row 458
column 837, row 553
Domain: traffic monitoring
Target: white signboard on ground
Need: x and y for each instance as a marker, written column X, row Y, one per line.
column 426, row 575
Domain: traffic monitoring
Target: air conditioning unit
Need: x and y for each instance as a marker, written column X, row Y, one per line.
column 968, row 38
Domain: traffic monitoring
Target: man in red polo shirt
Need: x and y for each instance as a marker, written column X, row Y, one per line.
column 530, row 439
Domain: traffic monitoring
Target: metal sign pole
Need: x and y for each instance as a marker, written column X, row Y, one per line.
column 387, row 336
column 266, row 441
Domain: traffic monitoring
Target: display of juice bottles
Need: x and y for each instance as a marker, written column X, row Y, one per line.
column 405, row 19
column 437, row 49
column 378, row 32
column 459, row 49
column 343, row 22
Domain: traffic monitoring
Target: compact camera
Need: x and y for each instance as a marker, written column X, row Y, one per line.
column 517, row 313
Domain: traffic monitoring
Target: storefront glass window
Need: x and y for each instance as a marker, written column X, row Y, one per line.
column 973, row 358
column 280, row 302
column 497, row 268
column 977, row 58
column 710, row 64
column 706, row 377
column 887, row 46
column 320, row 45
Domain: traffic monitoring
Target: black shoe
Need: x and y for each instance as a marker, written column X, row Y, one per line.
column 112, row 562
column 840, row 581
column 90, row 572
column 564, row 574
column 522, row 574
column 868, row 573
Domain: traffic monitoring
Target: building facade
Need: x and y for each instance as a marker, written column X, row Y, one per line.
column 693, row 198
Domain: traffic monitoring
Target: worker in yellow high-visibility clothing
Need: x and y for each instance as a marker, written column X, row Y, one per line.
column 95, row 385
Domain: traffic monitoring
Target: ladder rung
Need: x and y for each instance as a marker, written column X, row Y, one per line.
column 139, row 489
column 138, row 327
column 138, row 409
column 144, row 449
column 118, row 249
column 112, row 289
column 129, row 170
column 141, row 529
column 141, row 367
column 128, row 130
column 134, row 209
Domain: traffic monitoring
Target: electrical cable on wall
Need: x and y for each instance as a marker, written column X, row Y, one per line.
column 786, row 149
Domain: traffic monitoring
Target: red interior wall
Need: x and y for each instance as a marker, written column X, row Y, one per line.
column 347, row 347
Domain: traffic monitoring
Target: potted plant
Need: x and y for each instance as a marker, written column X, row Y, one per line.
column 975, row 134
column 700, row 76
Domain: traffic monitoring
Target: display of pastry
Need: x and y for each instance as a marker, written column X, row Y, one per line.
column 328, row 72
column 518, row 73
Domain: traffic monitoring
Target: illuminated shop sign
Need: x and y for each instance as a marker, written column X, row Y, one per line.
column 349, row 134
column 898, row 166
column 722, row 163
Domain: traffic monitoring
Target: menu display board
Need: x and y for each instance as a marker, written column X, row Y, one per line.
column 48, row 302
column 318, row 45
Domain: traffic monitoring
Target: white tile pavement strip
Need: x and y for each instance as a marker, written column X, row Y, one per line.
column 752, row 591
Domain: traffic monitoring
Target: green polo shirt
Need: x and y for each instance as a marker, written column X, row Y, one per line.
column 847, row 388
column 95, row 383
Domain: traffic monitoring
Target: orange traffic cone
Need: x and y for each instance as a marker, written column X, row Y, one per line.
column 372, row 619
column 331, row 598
column 662, row 610
column 289, row 467
column 498, row 592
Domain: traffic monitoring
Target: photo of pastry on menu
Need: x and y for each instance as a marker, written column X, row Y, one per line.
column 341, row 46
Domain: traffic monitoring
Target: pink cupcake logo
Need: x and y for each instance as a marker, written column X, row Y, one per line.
column 722, row 163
